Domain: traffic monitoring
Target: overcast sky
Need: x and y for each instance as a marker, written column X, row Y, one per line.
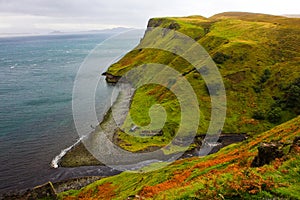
column 36, row 16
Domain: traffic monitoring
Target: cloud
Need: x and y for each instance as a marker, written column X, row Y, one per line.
column 5, row 25
column 74, row 26
column 130, row 13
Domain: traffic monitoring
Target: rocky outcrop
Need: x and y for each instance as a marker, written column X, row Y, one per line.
column 50, row 190
column 295, row 147
column 75, row 184
column 45, row 191
column 267, row 152
column 163, row 23
column 79, row 156
column 111, row 78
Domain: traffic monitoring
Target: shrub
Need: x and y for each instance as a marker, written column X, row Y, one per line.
column 220, row 58
column 274, row 115
column 174, row 26
column 293, row 96
column 266, row 75
column 257, row 89
column 259, row 115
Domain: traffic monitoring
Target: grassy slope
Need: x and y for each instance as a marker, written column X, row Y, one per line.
column 226, row 174
column 254, row 43
column 244, row 46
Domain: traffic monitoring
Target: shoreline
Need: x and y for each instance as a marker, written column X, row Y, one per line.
column 80, row 182
column 51, row 189
column 77, row 155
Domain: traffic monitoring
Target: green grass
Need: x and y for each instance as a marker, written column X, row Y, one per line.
column 244, row 46
column 258, row 57
column 226, row 173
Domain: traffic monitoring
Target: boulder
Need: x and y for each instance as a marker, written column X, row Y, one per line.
column 45, row 191
column 295, row 148
column 111, row 78
column 267, row 152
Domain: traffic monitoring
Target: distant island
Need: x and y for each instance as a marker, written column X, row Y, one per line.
column 58, row 32
column 111, row 30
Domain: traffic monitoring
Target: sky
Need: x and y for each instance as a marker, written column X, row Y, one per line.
column 42, row 16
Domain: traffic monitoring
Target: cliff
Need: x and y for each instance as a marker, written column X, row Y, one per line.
column 257, row 55
column 225, row 175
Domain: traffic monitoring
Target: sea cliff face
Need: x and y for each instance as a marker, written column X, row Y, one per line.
column 256, row 54
column 111, row 78
column 258, row 58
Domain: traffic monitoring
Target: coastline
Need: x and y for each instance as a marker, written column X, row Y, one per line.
column 77, row 155
column 50, row 190
column 246, row 169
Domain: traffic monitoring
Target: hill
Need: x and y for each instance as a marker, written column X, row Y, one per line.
column 258, row 58
column 257, row 55
column 228, row 174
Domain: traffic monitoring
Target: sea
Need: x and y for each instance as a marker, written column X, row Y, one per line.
column 37, row 75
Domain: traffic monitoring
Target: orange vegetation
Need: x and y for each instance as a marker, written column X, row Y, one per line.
column 177, row 180
column 104, row 192
column 225, row 173
column 237, row 164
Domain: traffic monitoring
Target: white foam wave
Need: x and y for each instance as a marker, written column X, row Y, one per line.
column 56, row 160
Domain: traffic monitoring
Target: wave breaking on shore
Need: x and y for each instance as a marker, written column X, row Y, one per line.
column 56, row 160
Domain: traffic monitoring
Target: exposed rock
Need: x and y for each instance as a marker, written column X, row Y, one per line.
column 174, row 26
column 50, row 190
column 169, row 24
column 267, row 152
column 223, row 141
column 79, row 156
column 155, row 22
column 75, row 184
column 295, row 148
column 45, row 191
column 111, row 78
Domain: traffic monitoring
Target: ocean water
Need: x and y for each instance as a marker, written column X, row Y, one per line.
column 36, row 82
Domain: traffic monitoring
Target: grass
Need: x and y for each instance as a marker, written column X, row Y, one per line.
column 224, row 174
column 243, row 45
column 258, row 57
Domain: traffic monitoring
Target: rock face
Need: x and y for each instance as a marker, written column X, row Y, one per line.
column 79, row 156
column 45, row 191
column 267, row 152
column 111, row 78
column 295, row 148
column 74, row 184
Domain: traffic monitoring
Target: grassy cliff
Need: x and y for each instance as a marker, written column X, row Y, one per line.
column 225, row 175
column 258, row 57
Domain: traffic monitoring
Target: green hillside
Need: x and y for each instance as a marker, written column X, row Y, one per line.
column 224, row 175
column 257, row 55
